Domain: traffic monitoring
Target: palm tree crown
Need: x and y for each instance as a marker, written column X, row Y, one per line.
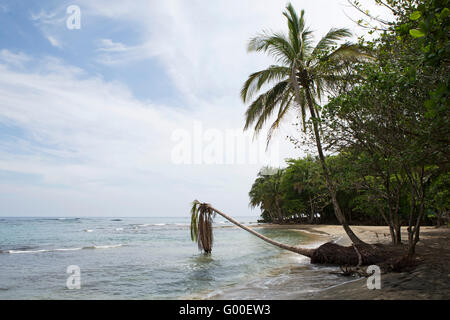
column 301, row 70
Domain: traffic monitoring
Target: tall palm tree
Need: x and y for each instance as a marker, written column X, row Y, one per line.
column 202, row 215
column 301, row 76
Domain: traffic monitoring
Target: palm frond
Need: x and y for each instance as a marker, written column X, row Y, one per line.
column 194, row 219
column 284, row 107
column 299, row 35
column 262, row 108
column 318, row 88
column 307, row 44
column 275, row 45
column 348, row 52
column 295, row 25
column 256, row 80
column 201, row 225
column 330, row 40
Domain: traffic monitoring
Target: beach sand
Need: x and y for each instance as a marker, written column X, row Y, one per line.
column 430, row 279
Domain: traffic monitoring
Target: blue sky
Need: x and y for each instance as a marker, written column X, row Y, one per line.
column 32, row 26
column 88, row 116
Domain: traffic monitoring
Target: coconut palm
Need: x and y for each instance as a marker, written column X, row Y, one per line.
column 202, row 215
column 303, row 73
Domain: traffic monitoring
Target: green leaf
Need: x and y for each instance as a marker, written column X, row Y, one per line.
column 445, row 13
column 415, row 15
column 426, row 49
column 416, row 33
column 429, row 104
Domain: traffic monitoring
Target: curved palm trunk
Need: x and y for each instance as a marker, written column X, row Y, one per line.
column 337, row 209
column 302, row 251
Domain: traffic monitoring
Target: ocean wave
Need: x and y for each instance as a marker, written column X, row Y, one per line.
column 62, row 249
column 143, row 225
column 26, row 251
column 104, row 247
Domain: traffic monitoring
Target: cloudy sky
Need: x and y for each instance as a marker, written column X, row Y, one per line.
column 137, row 113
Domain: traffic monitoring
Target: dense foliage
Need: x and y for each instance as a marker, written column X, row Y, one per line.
column 387, row 124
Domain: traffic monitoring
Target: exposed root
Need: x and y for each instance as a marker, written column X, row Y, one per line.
column 356, row 255
column 349, row 271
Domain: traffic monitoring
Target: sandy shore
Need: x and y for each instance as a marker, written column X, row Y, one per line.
column 429, row 280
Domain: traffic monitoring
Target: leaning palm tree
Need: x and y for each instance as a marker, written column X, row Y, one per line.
column 303, row 73
column 202, row 215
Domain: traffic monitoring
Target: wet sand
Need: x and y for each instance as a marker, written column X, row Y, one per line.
column 430, row 279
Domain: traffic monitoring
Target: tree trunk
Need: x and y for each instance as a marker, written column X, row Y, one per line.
column 398, row 234
column 279, row 213
column 414, row 232
column 438, row 217
column 303, row 251
column 337, row 210
column 311, row 218
column 328, row 253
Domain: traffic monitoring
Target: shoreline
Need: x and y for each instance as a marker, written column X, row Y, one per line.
column 430, row 279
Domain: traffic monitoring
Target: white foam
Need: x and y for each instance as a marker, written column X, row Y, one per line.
column 62, row 249
column 106, row 246
column 42, row 250
column 26, row 251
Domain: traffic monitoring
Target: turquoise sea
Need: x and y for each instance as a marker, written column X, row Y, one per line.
column 151, row 258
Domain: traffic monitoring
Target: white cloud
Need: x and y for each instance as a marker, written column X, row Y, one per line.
column 16, row 59
column 54, row 42
column 114, row 53
column 108, row 45
column 50, row 23
column 45, row 17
